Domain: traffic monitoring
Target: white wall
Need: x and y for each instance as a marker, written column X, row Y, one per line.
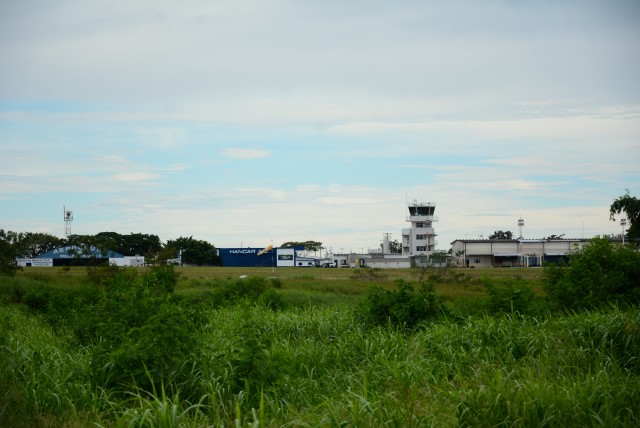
column 285, row 257
column 35, row 262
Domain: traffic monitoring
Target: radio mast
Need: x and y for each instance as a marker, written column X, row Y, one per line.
column 68, row 218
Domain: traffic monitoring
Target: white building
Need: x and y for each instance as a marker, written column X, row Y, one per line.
column 420, row 238
column 484, row 253
column 76, row 255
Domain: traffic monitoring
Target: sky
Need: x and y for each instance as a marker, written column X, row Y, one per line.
column 245, row 123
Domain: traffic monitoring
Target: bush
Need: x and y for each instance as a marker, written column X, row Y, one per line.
column 602, row 273
column 8, row 264
column 241, row 290
column 405, row 306
column 510, row 296
column 157, row 352
column 369, row 274
column 143, row 336
column 100, row 273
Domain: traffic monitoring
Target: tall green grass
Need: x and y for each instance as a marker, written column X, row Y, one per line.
column 574, row 370
column 45, row 378
column 318, row 362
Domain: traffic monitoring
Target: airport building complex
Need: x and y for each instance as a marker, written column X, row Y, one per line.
column 417, row 247
column 486, row 253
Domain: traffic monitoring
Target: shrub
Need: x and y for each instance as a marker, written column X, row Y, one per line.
column 157, row 352
column 601, row 273
column 403, row 307
column 143, row 337
column 510, row 296
column 8, row 264
column 241, row 290
column 369, row 274
column 271, row 299
column 37, row 298
column 99, row 273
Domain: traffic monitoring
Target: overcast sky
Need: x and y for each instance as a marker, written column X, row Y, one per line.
column 249, row 122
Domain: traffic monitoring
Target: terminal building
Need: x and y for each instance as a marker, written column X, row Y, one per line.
column 418, row 243
column 486, row 253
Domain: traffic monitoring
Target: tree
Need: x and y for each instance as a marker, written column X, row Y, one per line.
column 131, row 244
column 630, row 205
column 554, row 237
column 31, row 245
column 8, row 264
column 499, row 234
column 395, row 247
column 308, row 245
column 601, row 273
column 140, row 243
column 195, row 251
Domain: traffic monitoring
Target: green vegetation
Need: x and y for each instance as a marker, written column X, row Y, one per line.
column 600, row 274
column 630, row 206
column 192, row 347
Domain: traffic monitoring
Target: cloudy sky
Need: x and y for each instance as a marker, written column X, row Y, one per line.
column 247, row 122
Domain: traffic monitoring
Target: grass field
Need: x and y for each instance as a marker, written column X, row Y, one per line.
column 70, row 352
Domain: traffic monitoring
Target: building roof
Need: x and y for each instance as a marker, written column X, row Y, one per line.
column 519, row 240
column 73, row 251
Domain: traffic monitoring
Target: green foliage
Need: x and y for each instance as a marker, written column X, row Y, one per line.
column 307, row 245
column 144, row 333
column 369, row 274
column 395, row 246
column 33, row 244
column 129, row 245
column 158, row 350
column 195, row 251
column 145, row 359
column 157, row 410
column 8, row 264
column 241, row 290
column 630, row 205
column 499, row 234
column 161, row 279
column 99, row 273
column 512, row 296
column 254, row 364
column 275, row 282
column 271, row 299
column 601, row 273
column 404, row 307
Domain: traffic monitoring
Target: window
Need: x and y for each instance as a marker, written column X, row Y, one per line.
column 419, row 224
column 421, row 236
column 421, row 248
column 476, row 261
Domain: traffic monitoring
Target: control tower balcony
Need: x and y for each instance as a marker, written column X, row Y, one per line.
column 419, row 218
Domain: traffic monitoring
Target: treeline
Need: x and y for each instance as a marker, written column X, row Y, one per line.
column 31, row 245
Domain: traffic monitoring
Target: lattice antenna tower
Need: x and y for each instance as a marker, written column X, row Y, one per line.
column 68, row 218
column 520, row 226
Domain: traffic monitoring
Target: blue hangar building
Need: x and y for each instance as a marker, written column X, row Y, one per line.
column 268, row 257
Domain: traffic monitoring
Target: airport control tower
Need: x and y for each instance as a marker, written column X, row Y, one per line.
column 420, row 239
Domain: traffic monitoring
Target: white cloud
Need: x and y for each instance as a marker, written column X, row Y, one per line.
column 491, row 111
column 135, row 176
column 245, row 154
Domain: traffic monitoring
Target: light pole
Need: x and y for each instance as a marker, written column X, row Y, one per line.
column 623, row 223
column 520, row 226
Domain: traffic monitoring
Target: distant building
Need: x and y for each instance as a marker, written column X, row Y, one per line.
column 76, row 255
column 420, row 238
column 485, row 253
column 275, row 257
